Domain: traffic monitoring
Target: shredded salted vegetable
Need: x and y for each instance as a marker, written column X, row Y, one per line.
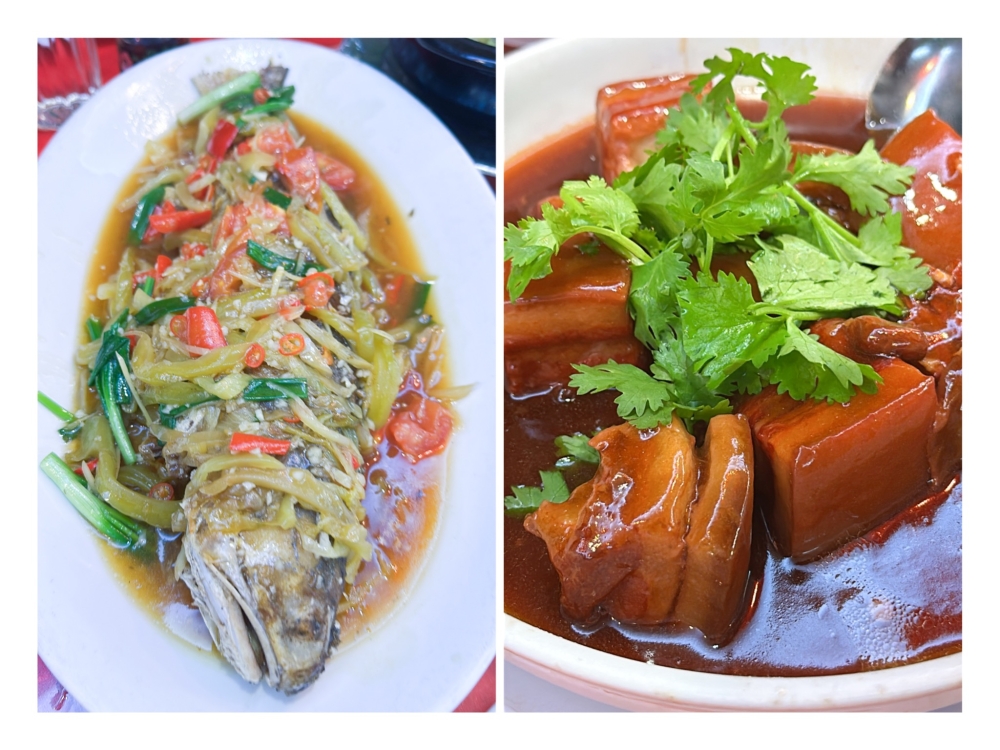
column 251, row 333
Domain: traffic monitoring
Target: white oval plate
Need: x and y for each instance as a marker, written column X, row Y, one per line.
column 540, row 100
column 107, row 652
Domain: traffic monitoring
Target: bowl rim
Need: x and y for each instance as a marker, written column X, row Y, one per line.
column 633, row 684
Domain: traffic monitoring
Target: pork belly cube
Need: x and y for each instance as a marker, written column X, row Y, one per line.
column 932, row 207
column 537, row 369
column 719, row 531
column 827, row 473
column 629, row 114
column 662, row 532
column 618, row 542
column 577, row 314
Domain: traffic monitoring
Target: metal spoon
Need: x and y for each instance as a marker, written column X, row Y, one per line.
column 920, row 74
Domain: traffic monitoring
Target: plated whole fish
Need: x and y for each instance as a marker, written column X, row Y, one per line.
column 252, row 348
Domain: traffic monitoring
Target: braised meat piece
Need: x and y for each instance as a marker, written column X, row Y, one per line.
column 932, row 207
column 662, row 532
column 834, row 471
column 629, row 114
column 576, row 315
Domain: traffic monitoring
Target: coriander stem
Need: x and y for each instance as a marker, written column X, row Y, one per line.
column 628, row 249
column 761, row 308
column 742, row 126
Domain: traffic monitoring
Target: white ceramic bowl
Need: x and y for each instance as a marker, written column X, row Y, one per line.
column 429, row 655
column 542, row 99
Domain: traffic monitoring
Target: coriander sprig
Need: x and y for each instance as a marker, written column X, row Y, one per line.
column 721, row 183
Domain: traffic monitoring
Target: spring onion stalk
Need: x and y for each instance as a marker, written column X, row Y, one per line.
column 266, row 389
column 70, row 431
column 107, row 389
column 277, row 197
column 143, row 210
column 420, row 295
column 93, row 328
column 243, row 84
column 280, row 100
column 113, row 342
column 147, row 285
column 118, row 528
column 269, row 259
column 158, row 308
column 64, row 414
column 238, row 102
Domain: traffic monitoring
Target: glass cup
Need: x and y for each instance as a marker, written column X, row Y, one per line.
column 68, row 74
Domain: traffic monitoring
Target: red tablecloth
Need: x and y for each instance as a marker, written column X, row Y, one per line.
column 52, row 696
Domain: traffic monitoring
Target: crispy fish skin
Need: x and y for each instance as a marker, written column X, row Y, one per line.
column 269, row 602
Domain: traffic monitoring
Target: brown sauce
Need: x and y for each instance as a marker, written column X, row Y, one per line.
column 402, row 498
column 891, row 597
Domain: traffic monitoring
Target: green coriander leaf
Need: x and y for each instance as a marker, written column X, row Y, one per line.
column 719, row 332
column 864, row 176
column 528, row 499
column 785, row 80
column 693, row 127
column 801, row 278
column 693, row 399
column 643, row 401
column 806, row 368
column 598, row 204
column 787, row 84
column 908, row 275
column 529, row 247
column 652, row 298
column 577, row 446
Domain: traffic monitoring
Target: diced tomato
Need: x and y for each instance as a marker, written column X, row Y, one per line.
column 191, row 250
column 244, row 148
column 178, row 221
column 203, row 328
column 162, row 264
column 234, row 219
column 336, row 174
column 198, row 287
column 317, row 288
column 260, row 96
column 222, row 138
column 301, row 173
column 420, row 428
column 223, row 280
column 274, row 140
